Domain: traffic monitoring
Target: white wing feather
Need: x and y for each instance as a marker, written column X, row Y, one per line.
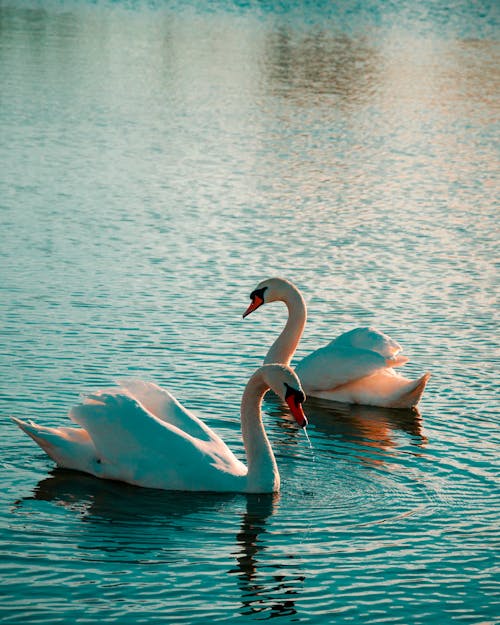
column 137, row 447
column 331, row 366
column 369, row 339
column 164, row 406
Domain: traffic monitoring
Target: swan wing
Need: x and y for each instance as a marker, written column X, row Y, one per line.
column 373, row 340
column 165, row 407
column 135, row 446
column 332, row 366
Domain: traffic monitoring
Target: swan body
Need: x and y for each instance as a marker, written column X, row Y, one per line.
column 142, row 435
column 356, row 367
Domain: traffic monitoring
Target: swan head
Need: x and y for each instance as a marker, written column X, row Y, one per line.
column 285, row 383
column 270, row 290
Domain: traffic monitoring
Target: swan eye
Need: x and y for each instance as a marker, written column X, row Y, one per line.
column 295, row 393
column 258, row 293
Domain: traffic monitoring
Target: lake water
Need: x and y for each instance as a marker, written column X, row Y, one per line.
column 157, row 160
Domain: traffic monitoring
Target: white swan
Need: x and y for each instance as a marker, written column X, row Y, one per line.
column 142, row 435
column 356, row 367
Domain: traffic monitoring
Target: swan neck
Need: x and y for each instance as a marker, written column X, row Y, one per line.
column 283, row 349
column 263, row 473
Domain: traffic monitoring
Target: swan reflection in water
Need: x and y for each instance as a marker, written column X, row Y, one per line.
column 274, row 593
column 138, row 525
column 368, row 427
column 126, row 522
column 111, row 501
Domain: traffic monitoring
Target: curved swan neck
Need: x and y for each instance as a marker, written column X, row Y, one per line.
column 285, row 345
column 263, row 473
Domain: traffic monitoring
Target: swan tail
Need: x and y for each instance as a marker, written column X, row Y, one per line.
column 70, row 448
column 41, row 435
column 411, row 394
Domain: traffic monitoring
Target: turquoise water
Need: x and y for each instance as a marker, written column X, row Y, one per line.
column 157, row 160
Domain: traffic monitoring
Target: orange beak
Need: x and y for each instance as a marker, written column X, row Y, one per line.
column 296, row 410
column 254, row 304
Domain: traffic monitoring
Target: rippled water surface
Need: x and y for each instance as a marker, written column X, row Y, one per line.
column 156, row 161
